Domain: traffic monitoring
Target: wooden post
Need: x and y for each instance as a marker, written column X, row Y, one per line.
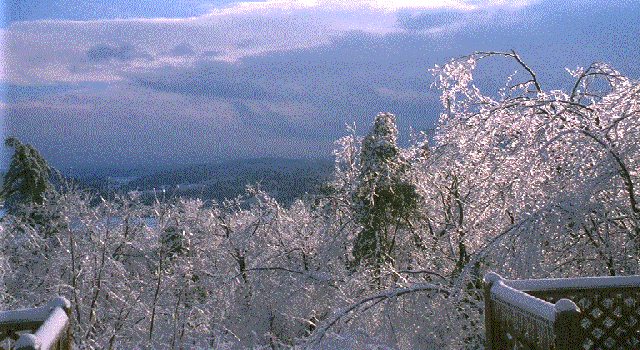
column 567, row 326
column 64, row 340
column 27, row 341
column 489, row 280
column 68, row 337
column 49, row 333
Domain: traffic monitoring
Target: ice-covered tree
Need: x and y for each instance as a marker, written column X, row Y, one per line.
column 383, row 201
column 524, row 181
column 553, row 170
column 27, row 178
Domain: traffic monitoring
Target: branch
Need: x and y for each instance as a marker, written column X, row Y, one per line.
column 514, row 55
column 320, row 277
column 533, row 75
column 426, row 272
column 376, row 298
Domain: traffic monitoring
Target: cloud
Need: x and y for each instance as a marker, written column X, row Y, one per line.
column 65, row 51
column 183, row 49
column 265, row 105
column 123, row 127
column 101, row 53
column 209, row 79
column 379, row 5
column 238, row 82
column 429, row 20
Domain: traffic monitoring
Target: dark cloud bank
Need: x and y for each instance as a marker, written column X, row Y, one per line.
column 295, row 103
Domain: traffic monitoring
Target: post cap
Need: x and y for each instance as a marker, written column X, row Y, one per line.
column 492, row 277
column 27, row 341
column 60, row 302
column 564, row 305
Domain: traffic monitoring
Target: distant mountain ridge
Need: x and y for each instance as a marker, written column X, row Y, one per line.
column 285, row 179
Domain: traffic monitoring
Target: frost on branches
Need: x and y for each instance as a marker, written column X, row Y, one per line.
column 524, row 181
column 383, row 200
column 560, row 164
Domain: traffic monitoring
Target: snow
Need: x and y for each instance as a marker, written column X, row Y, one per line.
column 577, row 283
column 492, row 277
column 38, row 314
column 518, row 182
column 524, row 301
column 564, row 305
column 60, row 302
column 52, row 328
column 47, row 334
column 27, row 341
column 53, row 317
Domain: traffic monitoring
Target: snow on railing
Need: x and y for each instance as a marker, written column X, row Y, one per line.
column 589, row 313
column 574, row 283
column 536, row 307
column 48, row 326
column 515, row 320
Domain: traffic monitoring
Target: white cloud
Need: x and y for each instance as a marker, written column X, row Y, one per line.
column 56, row 51
column 357, row 5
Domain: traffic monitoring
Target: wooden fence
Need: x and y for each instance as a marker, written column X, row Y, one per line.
column 544, row 314
column 40, row 328
column 562, row 314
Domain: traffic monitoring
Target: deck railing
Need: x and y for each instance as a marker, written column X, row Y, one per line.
column 562, row 314
column 40, row 328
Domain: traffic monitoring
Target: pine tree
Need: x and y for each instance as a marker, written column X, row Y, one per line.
column 383, row 200
column 27, row 179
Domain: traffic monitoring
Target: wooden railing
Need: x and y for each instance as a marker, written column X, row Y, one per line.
column 40, row 328
column 561, row 314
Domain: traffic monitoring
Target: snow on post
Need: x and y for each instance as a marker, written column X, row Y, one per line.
column 51, row 320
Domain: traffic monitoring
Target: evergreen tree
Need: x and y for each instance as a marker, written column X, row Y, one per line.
column 383, row 200
column 27, row 179
column 174, row 241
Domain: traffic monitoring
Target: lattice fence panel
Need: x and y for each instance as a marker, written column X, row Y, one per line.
column 519, row 329
column 610, row 316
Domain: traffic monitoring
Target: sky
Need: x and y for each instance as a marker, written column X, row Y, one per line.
column 116, row 84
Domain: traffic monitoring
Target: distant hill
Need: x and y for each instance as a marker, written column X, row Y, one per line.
column 284, row 179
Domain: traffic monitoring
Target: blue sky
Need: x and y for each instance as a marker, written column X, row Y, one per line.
column 82, row 10
column 109, row 84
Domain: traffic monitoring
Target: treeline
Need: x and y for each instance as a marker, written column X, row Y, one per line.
column 284, row 179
